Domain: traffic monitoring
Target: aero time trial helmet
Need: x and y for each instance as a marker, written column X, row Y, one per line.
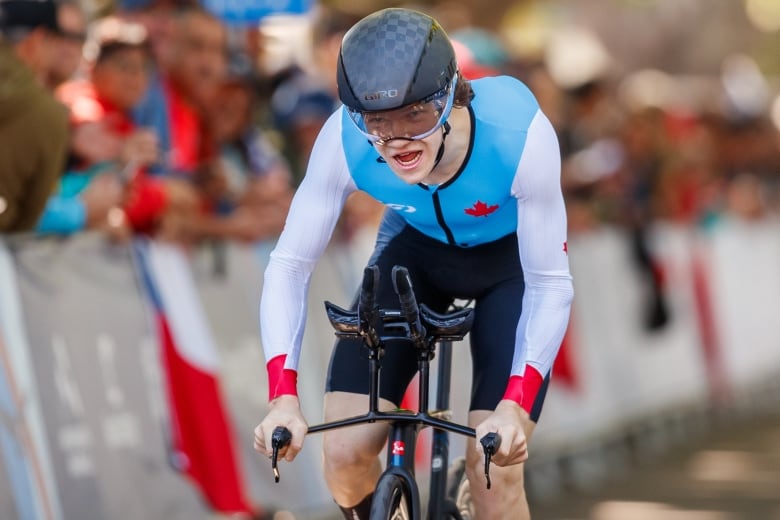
column 397, row 58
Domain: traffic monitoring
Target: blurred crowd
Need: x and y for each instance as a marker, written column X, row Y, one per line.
column 156, row 117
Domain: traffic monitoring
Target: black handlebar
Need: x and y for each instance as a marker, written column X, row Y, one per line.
column 490, row 443
column 402, row 284
column 368, row 311
column 280, row 438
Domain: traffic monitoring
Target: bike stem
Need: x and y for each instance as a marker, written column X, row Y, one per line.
column 374, row 364
column 423, row 367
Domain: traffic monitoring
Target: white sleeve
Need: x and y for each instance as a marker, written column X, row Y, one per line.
column 313, row 214
column 541, row 234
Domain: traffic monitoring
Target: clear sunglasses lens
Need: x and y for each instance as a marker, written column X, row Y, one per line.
column 415, row 121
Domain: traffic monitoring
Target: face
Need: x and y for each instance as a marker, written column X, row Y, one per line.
column 159, row 20
column 408, row 138
column 122, row 77
column 199, row 59
column 66, row 49
column 230, row 111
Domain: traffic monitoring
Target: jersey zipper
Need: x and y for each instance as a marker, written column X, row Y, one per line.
column 440, row 219
column 435, row 194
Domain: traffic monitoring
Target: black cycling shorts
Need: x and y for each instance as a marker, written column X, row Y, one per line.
column 490, row 274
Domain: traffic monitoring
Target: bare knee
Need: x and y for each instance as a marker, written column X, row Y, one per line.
column 506, row 496
column 349, row 450
column 349, row 453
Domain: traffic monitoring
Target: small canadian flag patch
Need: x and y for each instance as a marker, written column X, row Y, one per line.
column 398, row 448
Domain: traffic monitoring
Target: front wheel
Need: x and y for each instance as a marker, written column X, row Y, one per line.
column 392, row 500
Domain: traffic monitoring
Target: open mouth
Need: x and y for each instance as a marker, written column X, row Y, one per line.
column 409, row 159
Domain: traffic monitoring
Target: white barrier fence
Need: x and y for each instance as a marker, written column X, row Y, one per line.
column 82, row 385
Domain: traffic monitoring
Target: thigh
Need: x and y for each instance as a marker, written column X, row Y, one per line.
column 493, row 338
column 366, row 439
column 349, row 369
column 493, row 343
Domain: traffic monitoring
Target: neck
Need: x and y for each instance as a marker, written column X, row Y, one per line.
column 455, row 149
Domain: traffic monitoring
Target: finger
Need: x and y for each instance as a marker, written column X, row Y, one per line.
column 518, row 451
column 296, row 443
column 509, row 443
column 480, row 432
column 268, row 441
column 504, row 454
column 260, row 441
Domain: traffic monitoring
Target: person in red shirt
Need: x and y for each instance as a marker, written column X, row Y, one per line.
column 190, row 60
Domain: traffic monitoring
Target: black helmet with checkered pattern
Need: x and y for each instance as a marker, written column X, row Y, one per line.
column 394, row 57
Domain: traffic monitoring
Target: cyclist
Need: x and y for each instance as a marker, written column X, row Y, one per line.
column 470, row 175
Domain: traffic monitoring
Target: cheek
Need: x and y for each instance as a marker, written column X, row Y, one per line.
column 137, row 83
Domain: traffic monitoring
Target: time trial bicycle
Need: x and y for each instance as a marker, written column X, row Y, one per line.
column 397, row 495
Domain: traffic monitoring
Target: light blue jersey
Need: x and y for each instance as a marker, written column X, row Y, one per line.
column 476, row 206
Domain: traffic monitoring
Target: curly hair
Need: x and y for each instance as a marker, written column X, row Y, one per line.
column 463, row 93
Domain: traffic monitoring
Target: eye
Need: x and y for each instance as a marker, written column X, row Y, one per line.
column 374, row 120
column 416, row 113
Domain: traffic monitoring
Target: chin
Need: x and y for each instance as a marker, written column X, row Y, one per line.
column 412, row 177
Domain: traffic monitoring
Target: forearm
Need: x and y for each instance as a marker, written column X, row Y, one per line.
column 546, row 307
column 283, row 313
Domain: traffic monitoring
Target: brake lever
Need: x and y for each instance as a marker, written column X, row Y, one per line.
column 280, row 438
column 490, row 443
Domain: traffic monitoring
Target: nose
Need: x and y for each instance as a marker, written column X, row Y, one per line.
column 394, row 142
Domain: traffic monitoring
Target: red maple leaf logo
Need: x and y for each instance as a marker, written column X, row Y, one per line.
column 480, row 209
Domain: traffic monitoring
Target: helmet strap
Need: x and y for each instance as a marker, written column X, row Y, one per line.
column 446, row 130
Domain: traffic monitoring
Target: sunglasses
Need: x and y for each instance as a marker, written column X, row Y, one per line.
column 411, row 122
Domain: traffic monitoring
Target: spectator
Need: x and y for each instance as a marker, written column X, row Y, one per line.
column 191, row 63
column 108, row 151
column 33, row 125
column 251, row 191
column 304, row 99
column 66, row 57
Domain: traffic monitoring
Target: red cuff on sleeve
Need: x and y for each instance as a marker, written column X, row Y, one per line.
column 281, row 381
column 514, row 389
column 524, row 389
